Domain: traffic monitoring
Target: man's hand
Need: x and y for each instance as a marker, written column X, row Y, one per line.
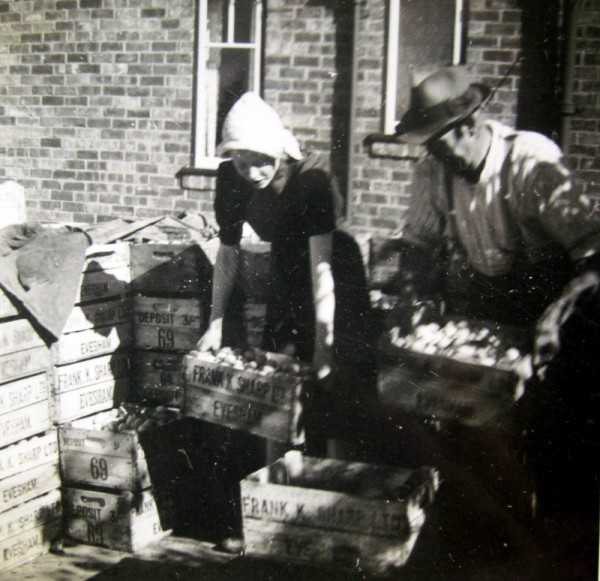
column 547, row 335
column 212, row 338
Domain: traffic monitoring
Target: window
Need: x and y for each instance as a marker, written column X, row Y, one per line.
column 422, row 35
column 229, row 43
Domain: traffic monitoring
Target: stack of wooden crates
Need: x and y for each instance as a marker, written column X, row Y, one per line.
column 170, row 284
column 30, row 499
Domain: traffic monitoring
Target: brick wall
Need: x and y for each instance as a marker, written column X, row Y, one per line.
column 382, row 175
column 583, row 139
column 95, row 105
column 96, row 99
column 308, row 62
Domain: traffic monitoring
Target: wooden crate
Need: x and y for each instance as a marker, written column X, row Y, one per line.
column 28, row 454
column 18, row 335
column 23, row 363
column 107, row 256
column 423, row 379
column 28, row 485
column 485, row 399
column 28, row 530
column 7, row 306
column 170, row 270
column 267, row 405
column 123, row 521
column 96, row 457
column 90, row 343
column 24, row 408
column 335, row 514
column 89, row 399
column 90, row 386
column 103, row 284
column 167, row 324
column 100, row 314
column 158, row 378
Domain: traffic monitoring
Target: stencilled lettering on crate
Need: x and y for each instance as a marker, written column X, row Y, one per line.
column 24, row 422
column 22, row 363
column 92, row 343
column 169, row 324
column 264, row 405
column 103, row 284
column 26, row 485
column 21, row 393
column 91, row 371
column 123, row 521
column 18, row 335
column 158, row 377
column 99, row 314
column 29, row 453
column 335, row 513
column 28, row 545
column 31, row 514
column 102, row 458
column 76, row 403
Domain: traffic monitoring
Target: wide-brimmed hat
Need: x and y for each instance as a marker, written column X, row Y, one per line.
column 441, row 100
column 253, row 125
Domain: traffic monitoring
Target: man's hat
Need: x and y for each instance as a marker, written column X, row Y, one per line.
column 441, row 100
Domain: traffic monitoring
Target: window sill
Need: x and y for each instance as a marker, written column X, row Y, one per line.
column 386, row 145
column 188, row 176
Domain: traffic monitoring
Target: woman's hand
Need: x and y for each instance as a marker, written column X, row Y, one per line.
column 212, row 338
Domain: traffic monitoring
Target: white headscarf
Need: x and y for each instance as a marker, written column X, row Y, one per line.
column 253, row 125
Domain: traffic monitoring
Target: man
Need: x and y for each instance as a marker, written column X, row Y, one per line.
column 514, row 241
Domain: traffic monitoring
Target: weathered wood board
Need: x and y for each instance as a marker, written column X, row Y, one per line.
column 123, row 521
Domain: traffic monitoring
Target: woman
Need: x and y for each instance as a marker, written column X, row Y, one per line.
column 318, row 307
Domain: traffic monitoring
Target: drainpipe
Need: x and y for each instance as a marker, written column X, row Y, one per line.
column 352, row 141
column 567, row 108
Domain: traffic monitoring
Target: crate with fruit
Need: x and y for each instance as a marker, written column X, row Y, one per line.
column 250, row 390
column 105, row 449
column 456, row 369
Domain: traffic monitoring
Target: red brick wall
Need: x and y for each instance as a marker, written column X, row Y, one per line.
column 95, row 105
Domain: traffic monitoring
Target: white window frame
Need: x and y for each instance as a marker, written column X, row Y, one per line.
column 204, row 151
column 391, row 81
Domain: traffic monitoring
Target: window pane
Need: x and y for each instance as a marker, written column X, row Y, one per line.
column 425, row 43
column 244, row 20
column 217, row 19
column 229, row 76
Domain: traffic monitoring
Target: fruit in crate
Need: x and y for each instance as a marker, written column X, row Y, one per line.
column 133, row 418
column 470, row 341
column 257, row 360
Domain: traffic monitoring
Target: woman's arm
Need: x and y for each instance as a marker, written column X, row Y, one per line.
column 224, row 275
column 320, row 247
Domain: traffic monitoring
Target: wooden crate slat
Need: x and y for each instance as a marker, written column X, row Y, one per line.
column 91, row 343
column 99, row 314
column 18, row 335
column 28, row 484
column 29, row 453
column 24, row 422
column 23, row 392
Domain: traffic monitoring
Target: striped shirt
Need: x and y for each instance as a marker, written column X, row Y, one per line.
column 525, row 206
